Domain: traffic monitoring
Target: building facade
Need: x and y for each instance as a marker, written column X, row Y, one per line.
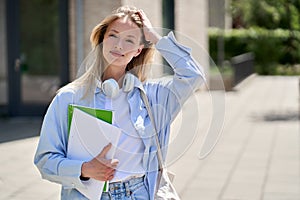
column 43, row 45
column 219, row 14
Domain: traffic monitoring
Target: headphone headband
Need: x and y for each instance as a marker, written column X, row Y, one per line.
column 111, row 88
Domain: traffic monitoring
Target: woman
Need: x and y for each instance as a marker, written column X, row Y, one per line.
column 123, row 44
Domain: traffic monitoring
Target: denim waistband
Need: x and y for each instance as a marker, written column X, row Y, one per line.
column 126, row 187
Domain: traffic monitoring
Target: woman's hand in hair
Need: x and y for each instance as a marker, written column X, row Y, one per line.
column 99, row 168
column 150, row 34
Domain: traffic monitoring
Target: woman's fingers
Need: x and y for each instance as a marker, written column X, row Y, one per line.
column 150, row 34
column 99, row 167
column 105, row 175
column 101, row 157
column 104, row 151
column 114, row 162
column 145, row 20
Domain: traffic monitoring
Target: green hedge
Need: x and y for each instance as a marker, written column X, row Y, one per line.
column 270, row 47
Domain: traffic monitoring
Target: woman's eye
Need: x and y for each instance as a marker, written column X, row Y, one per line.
column 112, row 35
column 130, row 41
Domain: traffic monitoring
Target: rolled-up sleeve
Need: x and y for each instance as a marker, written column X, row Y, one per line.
column 50, row 157
column 186, row 69
column 167, row 97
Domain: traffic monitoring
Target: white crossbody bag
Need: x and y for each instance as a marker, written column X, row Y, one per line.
column 164, row 190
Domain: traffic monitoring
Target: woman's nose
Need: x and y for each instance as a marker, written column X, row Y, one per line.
column 118, row 45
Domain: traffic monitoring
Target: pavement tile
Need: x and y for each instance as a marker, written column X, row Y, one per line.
column 257, row 156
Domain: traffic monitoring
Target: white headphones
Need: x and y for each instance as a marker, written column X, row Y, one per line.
column 111, row 88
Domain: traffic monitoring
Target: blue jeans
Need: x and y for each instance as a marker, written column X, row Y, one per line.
column 133, row 189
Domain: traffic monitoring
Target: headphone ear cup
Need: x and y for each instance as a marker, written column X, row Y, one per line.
column 110, row 88
column 128, row 82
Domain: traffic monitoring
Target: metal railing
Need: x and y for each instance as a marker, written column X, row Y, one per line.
column 243, row 66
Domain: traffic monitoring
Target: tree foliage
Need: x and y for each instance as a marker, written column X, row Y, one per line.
column 269, row 14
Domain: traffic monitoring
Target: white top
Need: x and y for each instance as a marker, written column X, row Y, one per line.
column 130, row 149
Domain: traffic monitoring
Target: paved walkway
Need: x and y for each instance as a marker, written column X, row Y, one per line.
column 257, row 156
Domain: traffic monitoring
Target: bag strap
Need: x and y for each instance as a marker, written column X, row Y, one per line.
column 159, row 152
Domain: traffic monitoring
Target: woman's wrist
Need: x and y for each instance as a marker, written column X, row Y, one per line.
column 84, row 174
column 155, row 37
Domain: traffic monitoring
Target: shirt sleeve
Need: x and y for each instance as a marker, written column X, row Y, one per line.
column 50, row 157
column 187, row 70
column 167, row 97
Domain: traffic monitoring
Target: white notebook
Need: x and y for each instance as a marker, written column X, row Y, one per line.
column 88, row 136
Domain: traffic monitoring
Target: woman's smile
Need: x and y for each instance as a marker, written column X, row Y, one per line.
column 116, row 54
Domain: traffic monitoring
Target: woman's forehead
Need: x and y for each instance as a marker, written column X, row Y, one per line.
column 124, row 25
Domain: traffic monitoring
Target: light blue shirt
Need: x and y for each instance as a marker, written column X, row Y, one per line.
column 166, row 99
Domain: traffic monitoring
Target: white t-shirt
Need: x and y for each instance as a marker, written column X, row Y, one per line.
column 130, row 149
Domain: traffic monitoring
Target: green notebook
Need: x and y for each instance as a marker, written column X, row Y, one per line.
column 105, row 115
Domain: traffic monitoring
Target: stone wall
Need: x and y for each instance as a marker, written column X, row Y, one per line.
column 219, row 14
column 191, row 21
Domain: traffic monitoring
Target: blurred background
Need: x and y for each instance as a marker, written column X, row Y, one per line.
column 43, row 42
column 249, row 49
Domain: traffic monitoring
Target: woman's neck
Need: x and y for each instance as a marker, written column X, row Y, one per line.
column 113, row 72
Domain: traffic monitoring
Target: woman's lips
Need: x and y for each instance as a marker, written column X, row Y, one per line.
column 116, row 54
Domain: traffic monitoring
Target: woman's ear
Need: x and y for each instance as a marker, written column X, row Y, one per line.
column 139, row 50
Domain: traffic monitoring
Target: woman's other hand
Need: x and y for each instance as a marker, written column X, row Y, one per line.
column 99, row 168
column 150, row 34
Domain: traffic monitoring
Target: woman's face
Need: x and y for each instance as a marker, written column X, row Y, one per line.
column 122, row 42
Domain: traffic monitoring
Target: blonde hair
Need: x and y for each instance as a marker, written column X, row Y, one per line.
column 93, row 71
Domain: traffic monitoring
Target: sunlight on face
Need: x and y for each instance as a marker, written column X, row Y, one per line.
column 122, row 41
